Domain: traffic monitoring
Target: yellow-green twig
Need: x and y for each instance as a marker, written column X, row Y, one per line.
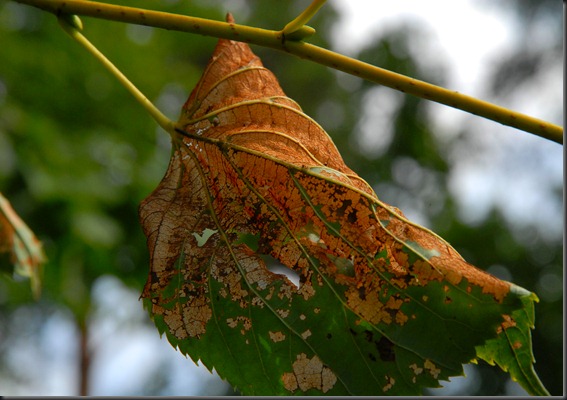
column 428, row 91
column 294, row 45
column 304, row 17
column 72, row 25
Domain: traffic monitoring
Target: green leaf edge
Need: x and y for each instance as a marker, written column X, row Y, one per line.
column 512, row 350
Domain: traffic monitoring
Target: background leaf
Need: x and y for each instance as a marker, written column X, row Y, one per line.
column 24, row 249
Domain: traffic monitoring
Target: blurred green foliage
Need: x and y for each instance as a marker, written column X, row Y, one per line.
column 77, row 155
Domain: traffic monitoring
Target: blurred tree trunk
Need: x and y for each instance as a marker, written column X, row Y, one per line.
column 85, row 358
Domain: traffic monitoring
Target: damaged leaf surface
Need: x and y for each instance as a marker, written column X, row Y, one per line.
column 383, row 305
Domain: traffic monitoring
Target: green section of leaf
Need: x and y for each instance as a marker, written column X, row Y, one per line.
column 170, row 290
column 425, row 253
column 344, row 265
column 511, row 350
column 250, row 240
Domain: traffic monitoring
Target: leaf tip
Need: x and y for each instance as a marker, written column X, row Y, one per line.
column 521, row 292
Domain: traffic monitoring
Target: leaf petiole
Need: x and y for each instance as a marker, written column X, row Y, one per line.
column 72, row 25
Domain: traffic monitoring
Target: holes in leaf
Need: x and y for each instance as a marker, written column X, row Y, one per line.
column 277, row 267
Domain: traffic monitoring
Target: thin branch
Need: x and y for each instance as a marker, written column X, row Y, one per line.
column 294, row 45
column 72, row 25
column 303, row 18
column 428, row 91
